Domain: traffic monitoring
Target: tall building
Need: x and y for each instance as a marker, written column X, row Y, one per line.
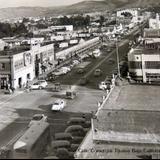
column 144, row 61
column 154, row 23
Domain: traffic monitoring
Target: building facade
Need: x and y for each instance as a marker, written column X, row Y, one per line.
column 81, row 48
column 19, row 67
column 2, row 45
column 134, row 12
column 144, row 64
column 154, row 23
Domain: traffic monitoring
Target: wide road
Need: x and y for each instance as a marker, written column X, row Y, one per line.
column 24, row 106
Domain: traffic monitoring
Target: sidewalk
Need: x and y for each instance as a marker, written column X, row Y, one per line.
column 6, row 97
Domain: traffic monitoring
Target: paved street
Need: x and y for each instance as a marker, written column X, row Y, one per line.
column 28, row 104
column 20, row 108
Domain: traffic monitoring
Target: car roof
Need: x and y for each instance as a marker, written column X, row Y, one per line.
column 38, row 115
column 41, row 80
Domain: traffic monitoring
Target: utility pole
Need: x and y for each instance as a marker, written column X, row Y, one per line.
column 117, row 53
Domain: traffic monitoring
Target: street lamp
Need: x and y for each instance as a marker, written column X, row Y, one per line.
column 117, row 53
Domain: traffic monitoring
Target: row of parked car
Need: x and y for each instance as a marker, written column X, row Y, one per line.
column 78, row 59
column 65, row 144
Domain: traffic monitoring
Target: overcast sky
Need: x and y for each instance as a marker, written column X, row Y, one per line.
column 44, row 3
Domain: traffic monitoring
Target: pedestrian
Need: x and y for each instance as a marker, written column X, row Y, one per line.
column 13, row 89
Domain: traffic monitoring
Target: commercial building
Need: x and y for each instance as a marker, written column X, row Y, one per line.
column 154, row 23
column 81, row 48
column 133, row 11
column 144, row 64
column 151, row 33
column 65, row 28
column 21, row 65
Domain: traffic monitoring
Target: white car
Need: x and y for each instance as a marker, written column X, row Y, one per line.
column 41, row 84
column 97, row 53
column 58, row 73
column 38, row 118
column 102, row 86
column 65, row 70
column 75, row 62
column 58, row 105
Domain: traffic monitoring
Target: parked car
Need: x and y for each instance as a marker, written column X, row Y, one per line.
column 81, row 70
column 58, row 73
column 63, row 136
column 65, row 70
column 63, row 153
column 57, row 87
column 104, row 85
column 41, row 84
column 79, row 121
column 70, row 94
column 75, row 62
column 38, row 118
column 97, row 53
column 76, row 130
column 97, row 73
column 60, row 144
column 58, row 105
column 111, row 61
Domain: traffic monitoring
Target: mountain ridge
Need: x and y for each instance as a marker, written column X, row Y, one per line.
column 81, row 7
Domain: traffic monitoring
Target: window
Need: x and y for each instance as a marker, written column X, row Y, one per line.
column 2, row 66
column 135, row 65
column 28, row 76
column 152, row 64
column 21, row 150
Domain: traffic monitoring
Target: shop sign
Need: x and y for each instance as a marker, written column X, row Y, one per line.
column 27, row 59
column 3, row 76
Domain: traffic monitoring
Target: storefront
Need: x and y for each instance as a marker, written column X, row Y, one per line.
column 21, row 67
column 4, row 81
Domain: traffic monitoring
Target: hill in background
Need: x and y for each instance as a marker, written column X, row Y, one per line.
column 82, row 7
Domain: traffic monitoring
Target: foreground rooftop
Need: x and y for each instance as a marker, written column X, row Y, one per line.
column 127, row 127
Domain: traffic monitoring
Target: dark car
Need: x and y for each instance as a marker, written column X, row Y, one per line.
column 76, row 130
column 97, row 73
column 79, row 121
column 83, row 81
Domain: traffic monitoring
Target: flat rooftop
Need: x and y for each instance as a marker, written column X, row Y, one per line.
column 140, row 127
column 127, row 126
column 135, row 97
column 14, row 51
column 128, row 121
column 141, row 50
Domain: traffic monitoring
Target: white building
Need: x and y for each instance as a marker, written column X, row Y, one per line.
column 33, row 41
column 154, row 23
column 65, row 27
column 137, row 19
column 82, row 47
column 2, row 45
column 133, row 11
column 23, row 64
column 144, row 63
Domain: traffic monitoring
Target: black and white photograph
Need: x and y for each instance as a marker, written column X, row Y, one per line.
column 79, row 79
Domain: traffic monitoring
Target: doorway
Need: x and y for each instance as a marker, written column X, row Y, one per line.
column 3, row 83
column 20, row 82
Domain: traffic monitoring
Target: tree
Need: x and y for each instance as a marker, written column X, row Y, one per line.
column 102, row 20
